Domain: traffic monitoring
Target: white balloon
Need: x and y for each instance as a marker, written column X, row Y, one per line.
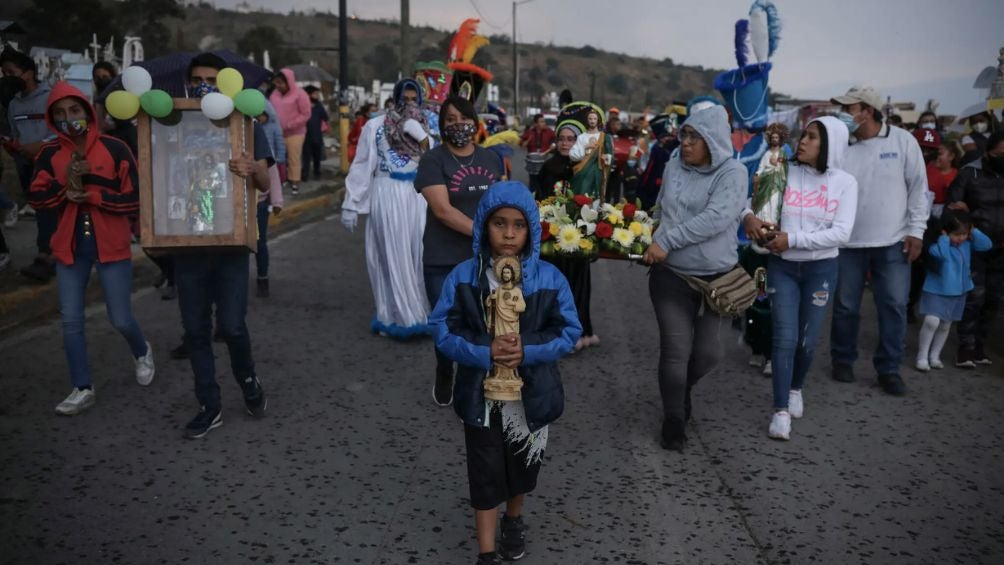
column 217, row 106
column 137, row 80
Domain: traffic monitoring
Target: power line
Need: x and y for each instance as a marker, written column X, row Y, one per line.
column 484, row 19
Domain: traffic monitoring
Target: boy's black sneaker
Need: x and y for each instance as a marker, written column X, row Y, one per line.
column 892, row 384
column 512, row 543
column 204, row 421
column 488, row 559
column 843, row 373
column 442, row 391
column 254, row 397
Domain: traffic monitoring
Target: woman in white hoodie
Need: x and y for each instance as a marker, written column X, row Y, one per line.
column 817, row 217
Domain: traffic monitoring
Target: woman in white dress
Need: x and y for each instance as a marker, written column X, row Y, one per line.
column 381, row 183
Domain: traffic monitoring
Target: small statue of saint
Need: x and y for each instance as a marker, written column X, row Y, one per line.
column 505, row 304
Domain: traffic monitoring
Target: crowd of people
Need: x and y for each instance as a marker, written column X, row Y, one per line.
column 915, row 216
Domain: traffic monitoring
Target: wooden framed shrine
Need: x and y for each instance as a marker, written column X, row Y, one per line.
column 188, row 196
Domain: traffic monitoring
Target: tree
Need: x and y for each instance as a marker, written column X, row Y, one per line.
column 146, row 19
column 53, row 25
column 261, row 38
column 617, row 83
column 383, row 62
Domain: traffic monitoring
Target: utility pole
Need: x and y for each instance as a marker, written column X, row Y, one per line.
column 405, row 31
column 343, row 85
column 515, row 62
column 592, row 86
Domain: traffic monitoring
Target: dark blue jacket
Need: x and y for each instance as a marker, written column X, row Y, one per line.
column 549, row 327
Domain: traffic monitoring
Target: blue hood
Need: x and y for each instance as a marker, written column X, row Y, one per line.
column 508, row 194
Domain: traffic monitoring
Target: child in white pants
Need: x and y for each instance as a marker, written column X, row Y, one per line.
column 947, row 284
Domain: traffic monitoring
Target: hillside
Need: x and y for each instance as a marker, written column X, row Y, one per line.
column 621, row 80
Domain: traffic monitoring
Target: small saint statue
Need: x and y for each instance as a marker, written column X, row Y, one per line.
column 505, row 304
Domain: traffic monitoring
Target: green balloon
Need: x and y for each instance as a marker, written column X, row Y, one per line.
column 250, row 102
column 157, row 103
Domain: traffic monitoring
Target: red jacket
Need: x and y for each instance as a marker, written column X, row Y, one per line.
column 112, row 186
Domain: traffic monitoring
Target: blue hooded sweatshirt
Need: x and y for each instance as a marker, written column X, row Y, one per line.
column 549, row 327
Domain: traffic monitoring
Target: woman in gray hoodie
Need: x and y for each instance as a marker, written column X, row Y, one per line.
column 703, row 192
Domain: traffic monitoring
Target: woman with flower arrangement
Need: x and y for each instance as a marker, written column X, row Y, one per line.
column 816, row 219
column 583, row 178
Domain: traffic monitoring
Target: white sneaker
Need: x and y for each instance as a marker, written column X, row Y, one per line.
column 4, row 260
column 780, row 426
column 937, row 364
column 795, row 405
column 144, row 367
column 10, row 218
column 768, row 369
column 78, row 401
column 756, row 361
column 923, row 366
column 27, row 211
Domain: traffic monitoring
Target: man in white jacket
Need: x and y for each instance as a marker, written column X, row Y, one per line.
column 892, row 214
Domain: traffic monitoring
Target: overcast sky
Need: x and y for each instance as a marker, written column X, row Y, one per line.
column 910, row 49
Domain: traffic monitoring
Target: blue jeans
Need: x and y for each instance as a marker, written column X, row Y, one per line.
column 261, row 257
column 435, row 276
column 799, row 294
column 116, row 280
column 205, row 278
column 890, row 284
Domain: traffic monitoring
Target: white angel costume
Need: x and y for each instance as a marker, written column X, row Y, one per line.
column 381, row 183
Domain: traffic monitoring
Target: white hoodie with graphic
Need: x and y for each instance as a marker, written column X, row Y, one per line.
column 819, row 208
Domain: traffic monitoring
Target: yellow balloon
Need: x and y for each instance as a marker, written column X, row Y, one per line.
column 122, row 105
column 230, row 82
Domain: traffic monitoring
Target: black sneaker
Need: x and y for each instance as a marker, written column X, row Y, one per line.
column 254, row 398
column 488, row 559
column 981, row 357
column 442, row 391
column 843, row 373
column 262, row 288
column 40, row 270
column 204, row 421
column 512, row 542
column 892, row 384
column 674, row 438
column 965, row 358
column 181, row 352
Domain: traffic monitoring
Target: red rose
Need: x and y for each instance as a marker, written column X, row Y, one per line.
column 629, row 210
column 604, row 230
column 582, row 200
column 545, row 233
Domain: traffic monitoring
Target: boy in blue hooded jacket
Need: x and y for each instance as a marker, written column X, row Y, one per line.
column 505, row 440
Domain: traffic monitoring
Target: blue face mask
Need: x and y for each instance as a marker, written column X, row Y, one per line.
column 375, row 114
column 848, row 121
column 72, row 128
column 201, row 90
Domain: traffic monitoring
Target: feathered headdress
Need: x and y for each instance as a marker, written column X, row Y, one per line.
column 764, row 30
column 464, row 46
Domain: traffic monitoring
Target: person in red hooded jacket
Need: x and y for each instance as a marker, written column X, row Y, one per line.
column 90, row 179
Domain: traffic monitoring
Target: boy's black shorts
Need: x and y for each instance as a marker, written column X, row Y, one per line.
column 496, row 470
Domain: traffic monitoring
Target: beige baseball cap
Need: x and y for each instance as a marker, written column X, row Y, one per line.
column 861, row 95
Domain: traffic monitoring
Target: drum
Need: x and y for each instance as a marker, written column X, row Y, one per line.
column 534, row 162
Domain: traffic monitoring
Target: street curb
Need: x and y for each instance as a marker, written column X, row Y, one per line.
column 30, row 304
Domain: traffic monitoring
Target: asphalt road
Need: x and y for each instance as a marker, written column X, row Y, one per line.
column 355, row 464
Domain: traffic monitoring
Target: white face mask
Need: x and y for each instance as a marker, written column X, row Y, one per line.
column 980, row 127
column 927, row 125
